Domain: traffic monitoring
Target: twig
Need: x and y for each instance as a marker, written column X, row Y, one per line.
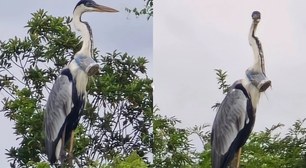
column 9, row 93
column 15, row 77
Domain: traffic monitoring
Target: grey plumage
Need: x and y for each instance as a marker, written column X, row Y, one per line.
column 230, row 119
column 56, row 112
column 64, row 107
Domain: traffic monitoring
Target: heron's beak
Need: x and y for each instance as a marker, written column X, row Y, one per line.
column 101, row 8
column 259, row 80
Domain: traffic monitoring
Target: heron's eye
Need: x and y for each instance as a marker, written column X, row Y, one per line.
column 90, row 4
column 87, row 4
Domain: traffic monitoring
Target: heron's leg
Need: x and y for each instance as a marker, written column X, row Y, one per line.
column 63, row 153
column 70, row 150
column 238, row 157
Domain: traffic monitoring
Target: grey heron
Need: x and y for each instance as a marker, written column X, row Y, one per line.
column 236, row 115
column 68, row 95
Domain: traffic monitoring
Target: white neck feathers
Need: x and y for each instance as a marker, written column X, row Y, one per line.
column 86, row 32
column 259, row 64
column 253, row 92
column 79, row 76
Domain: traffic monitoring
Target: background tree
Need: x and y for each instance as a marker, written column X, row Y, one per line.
column 147, row 10
column 171, row 147
column 117, row 118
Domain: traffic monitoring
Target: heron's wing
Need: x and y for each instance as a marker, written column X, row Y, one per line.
column 230, row 119
column 58, row 107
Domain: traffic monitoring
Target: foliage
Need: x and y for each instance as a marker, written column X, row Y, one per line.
column 265, row 149
column 132, row 161
column 221, row 77
column 171, row 147
column 147, row 10
column 117, row 118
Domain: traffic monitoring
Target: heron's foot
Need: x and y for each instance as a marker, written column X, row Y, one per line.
column 70, row 158
column 256, row 15
column 62, row 162
column 62, row 158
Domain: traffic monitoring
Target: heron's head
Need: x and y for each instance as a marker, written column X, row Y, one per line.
column 92, row 6
column 259, row 80
column 256, row 16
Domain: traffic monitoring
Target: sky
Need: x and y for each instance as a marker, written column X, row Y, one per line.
column 194, row 37
column 121, row 31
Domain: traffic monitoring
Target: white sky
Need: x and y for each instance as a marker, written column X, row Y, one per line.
column 194, row 37
column 111, row 31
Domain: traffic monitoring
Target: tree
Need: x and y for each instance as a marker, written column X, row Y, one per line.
column 117, row 118
column 147, row 10
column 171, row 145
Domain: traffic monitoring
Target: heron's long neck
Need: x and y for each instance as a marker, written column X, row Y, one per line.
column 259, row 62
column 87, row 47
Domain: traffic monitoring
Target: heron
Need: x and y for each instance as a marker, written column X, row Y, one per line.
column 67, row 97
column 236, row 115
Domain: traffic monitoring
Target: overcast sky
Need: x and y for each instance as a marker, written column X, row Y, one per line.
column 111, row 31
column 194, row 37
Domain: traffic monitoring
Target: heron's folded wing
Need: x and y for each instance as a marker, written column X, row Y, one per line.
column 229, row 120
column 58, row 107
